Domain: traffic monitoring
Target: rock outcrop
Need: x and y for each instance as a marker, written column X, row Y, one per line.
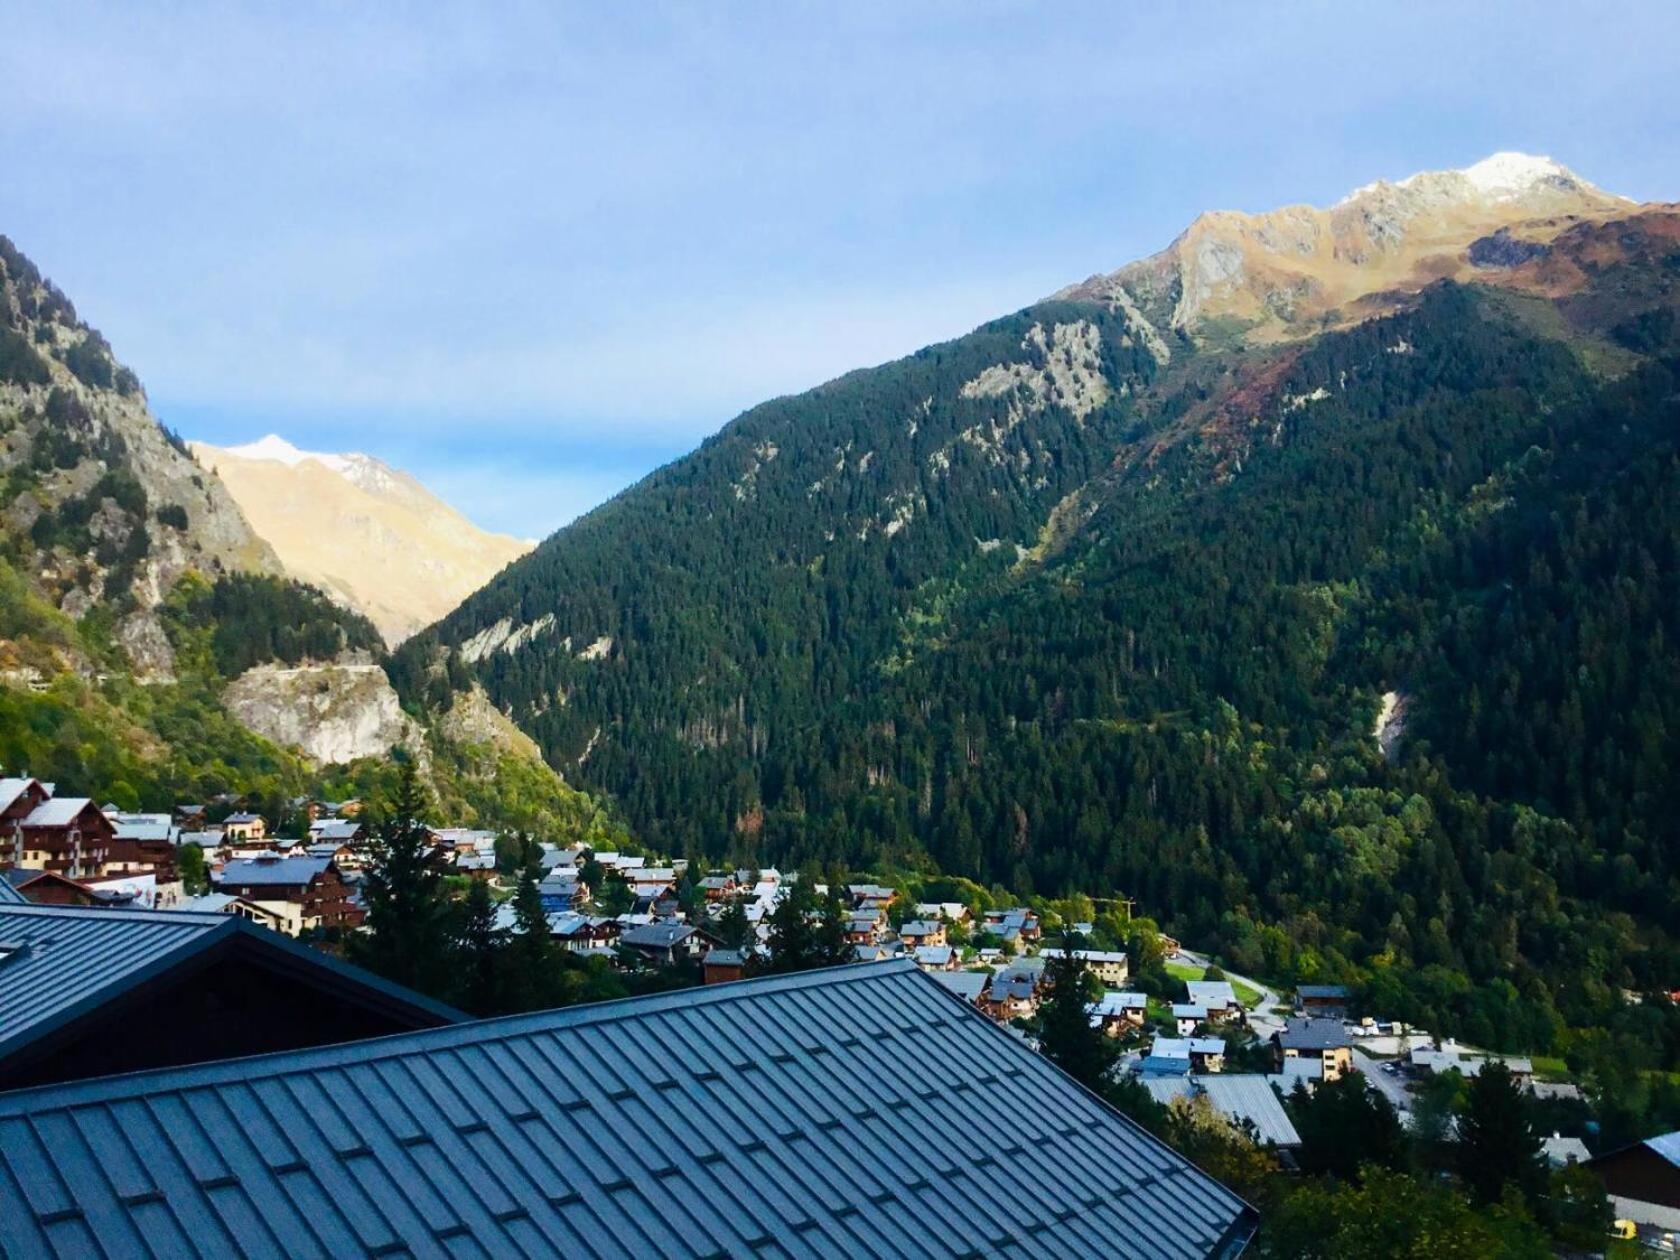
column 333, row 713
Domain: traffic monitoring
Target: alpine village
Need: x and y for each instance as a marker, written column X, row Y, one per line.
column 1183, row 770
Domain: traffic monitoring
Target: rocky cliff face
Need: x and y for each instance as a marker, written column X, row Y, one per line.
column 105, row 506
column 334, row 713
column 1287, row 272
column 369, row 534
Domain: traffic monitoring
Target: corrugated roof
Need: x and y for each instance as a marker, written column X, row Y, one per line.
column 72, row 957
column 10, row 896
column 1667, row 1145
column 764, row 1117
column 70, row 960
column 249, row 872
column 1249, row 1097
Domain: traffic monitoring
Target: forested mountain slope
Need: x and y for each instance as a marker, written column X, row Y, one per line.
column 1090, row 600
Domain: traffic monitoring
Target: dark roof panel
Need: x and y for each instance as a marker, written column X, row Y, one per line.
column 762, row 1117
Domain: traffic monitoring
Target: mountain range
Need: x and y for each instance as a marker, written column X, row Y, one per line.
column 369, row 535
column 1121, row 590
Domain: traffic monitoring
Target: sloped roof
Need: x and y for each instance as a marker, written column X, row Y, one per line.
column 1311, row 1033
column 9, row 895
column 1211, row 993
column 282, row 871
column 11, row 789
column 60, row 811
column 762, row 1117
column 1246, row 1096
column 74, row 959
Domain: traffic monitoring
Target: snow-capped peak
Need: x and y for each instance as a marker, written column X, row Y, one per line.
column 1507, row 174
column 276, row 448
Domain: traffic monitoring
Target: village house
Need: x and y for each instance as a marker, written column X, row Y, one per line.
column 225, row 903
column 1012, row 995
column 1428, row 1061
column 722, row 965
column 562, row 889
column 67, row 835
column 1108, row 965
column 47, row 888
column 665, row 944
column 1205, row 1054
column 341, row 831
column 245, row 826
column 1116, row 1013
column 864, row 929
column 718, row 887
column 191, row 817
column 951, row 911
column 1188, row 1017
column 1326, row 1001
column 1322, row 1039
column 936, row 957
column 917, row 932
column 970, row 986
column 304, row 892
column 1245, row 1100
column 1218, row 998
column 870, row 896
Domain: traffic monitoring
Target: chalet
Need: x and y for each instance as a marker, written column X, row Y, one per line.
column 917, row 932
column 1561, row 1152
column 223, row 903
column 936, row 957
column 950, row 911
column 191, row 817
column 245, row 826
column 1017, row 924
column 48, row 888
column 340, row 831
column 870, row 896
column 718, row 887
column 1219, row 998
column 306, row 892
column 145, row 828
column 1327, row 1001
column 665, row 944
column 1188, row 1017
column 1012, row 995
column 1204, row 1054
column 1115, row 1013
column 1108, row 965
column 562, row 889
column 116, row 990
column 172, row 1159
column 1643, row 1181
column 722, row 965
column 68, row 835
column 1325, row 1040
column 864, row 929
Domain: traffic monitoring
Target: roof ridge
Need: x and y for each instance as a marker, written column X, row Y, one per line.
column 396, row 1045
column 126, row 914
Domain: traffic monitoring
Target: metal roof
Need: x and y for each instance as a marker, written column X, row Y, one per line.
column 75, row 959
column 764, row 1117
column 1245, row 1096
column 1667, row 1145
column 1311, row 1033
column 248, row 872
column 1211, row 993
column 61, row 811
column 72, row 958
column 9, row 895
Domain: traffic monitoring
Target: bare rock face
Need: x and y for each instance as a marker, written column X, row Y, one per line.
column 1277, row 275
column 333, row 713
column 474, row 720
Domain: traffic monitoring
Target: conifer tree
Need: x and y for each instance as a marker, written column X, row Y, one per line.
column 408, row 936
column 1497, row 1140
column 479, row 947
column 532, row 973
column 1065, row 1033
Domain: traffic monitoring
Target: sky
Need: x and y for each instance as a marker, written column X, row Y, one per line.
column 532, row 252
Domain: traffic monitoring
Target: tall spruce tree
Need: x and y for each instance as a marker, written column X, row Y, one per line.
column 479, row 947
column 1065, row 1033
column 1497, row 1141
column 805, row 934
column 532, row 974
column 408, row 936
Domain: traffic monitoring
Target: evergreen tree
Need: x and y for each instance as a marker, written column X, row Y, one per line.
column 1345, row 1127
column 408, row 936
column 479, row 946
column 732, row 928
column 1497, row 1142
column 1065, row 1033
column 532, row 973
column 189, row 862
column 804, row 935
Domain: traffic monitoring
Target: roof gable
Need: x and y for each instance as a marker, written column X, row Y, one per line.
column 764, row 1114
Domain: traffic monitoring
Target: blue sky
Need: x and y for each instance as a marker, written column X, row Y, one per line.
column 530, row 252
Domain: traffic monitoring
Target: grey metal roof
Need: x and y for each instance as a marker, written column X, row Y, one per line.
column 764, row 1117
column 1311, row 1033
column 74, row 959
column 10, row 896
column 1249, row 1096
column 249, row 872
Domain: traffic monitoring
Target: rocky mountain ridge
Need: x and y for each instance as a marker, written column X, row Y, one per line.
column 370, row 535
column 1293, row 271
